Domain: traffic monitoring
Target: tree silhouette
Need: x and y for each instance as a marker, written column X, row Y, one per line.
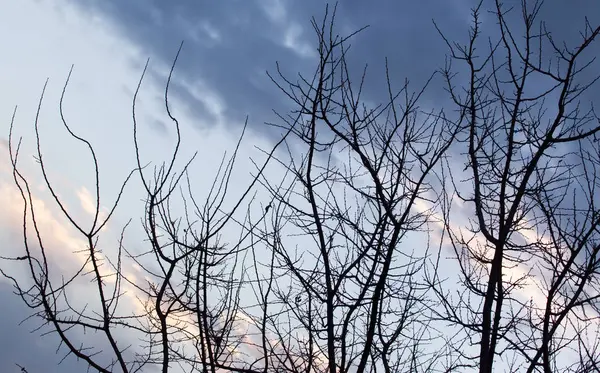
column 531, row 157
column 345, row 268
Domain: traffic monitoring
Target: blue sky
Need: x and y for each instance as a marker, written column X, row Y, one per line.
column 219, row 80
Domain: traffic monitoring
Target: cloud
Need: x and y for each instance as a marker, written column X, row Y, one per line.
column 253, row 35
column 219, row 80
column 22, row 345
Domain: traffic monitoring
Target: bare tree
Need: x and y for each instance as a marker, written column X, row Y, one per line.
column 360, row 187
column 330, row 266
column 528, row 256
column 187, row 268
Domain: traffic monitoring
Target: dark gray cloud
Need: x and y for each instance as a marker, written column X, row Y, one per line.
column 26, row 341
column 230, row 44
column 235, row 42
column 21, row 344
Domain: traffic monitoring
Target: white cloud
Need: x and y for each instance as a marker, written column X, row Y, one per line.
column 293, row 40
column 274, row 9
column 291, row 34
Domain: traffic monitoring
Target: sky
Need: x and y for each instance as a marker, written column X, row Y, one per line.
column 220, row 79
